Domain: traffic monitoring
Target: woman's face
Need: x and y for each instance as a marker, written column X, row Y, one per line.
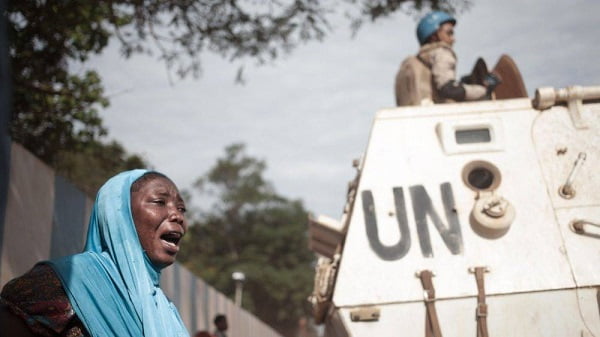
column 159, row 216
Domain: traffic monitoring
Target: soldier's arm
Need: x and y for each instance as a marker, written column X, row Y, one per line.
column 444, row 77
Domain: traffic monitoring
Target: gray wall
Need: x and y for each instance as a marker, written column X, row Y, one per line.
column 5, row 90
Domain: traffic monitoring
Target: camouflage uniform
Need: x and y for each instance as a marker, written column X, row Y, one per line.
column 441, row 60
column 430, row 77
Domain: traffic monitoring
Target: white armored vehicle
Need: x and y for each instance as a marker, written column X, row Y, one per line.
column 469, row 219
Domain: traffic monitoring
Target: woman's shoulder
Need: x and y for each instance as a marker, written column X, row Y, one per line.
column 40, row 283
column 39, row 300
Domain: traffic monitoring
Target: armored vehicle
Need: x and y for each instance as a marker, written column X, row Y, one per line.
column 469, row 219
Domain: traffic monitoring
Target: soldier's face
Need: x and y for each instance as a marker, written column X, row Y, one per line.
column 446, row 33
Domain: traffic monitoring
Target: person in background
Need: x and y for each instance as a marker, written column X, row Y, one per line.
column 430, row 76
column 220, row 325
column 203, row 333
column 112, row 288
column 305, row 329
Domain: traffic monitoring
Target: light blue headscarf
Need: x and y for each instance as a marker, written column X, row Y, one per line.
column 113, row 286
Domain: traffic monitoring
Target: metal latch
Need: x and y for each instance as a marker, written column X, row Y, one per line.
column 579, row 227
column 567, row 191
column 364, row 314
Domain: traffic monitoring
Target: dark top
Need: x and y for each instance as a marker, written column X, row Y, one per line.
column 39, row 299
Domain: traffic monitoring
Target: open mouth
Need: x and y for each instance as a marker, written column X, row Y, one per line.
column 172, row 238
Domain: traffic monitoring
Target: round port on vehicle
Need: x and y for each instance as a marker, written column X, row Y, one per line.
column 481, row 175
column 492, row 216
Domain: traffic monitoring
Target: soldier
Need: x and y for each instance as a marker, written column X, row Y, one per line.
column 430, row 76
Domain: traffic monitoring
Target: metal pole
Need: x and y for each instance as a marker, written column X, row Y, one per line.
column 239, row 279
column 238, row 293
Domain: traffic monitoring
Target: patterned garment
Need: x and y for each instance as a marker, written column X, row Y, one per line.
column 39, row 299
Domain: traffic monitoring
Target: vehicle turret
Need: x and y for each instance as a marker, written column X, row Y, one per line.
column 469, row 219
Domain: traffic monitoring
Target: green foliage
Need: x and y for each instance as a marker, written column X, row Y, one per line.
column 91, row 165
column 56, row 109
column 56, row 112
column 181, row 31
column 250, row 228
column 47, row 120
column 373, row 10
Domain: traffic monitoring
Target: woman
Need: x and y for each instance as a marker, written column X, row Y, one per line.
column 112, row 288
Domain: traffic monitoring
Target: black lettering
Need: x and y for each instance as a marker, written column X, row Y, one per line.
column 400, row 249
column 423, row 207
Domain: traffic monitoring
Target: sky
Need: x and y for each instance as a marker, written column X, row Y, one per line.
column 309, row 114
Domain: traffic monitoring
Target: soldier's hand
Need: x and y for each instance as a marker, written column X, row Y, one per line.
column 490, row 82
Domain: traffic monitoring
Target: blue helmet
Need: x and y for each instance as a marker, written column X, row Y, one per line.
column 430, row 23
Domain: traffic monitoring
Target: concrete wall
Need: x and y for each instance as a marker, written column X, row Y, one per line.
column 46, row 217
